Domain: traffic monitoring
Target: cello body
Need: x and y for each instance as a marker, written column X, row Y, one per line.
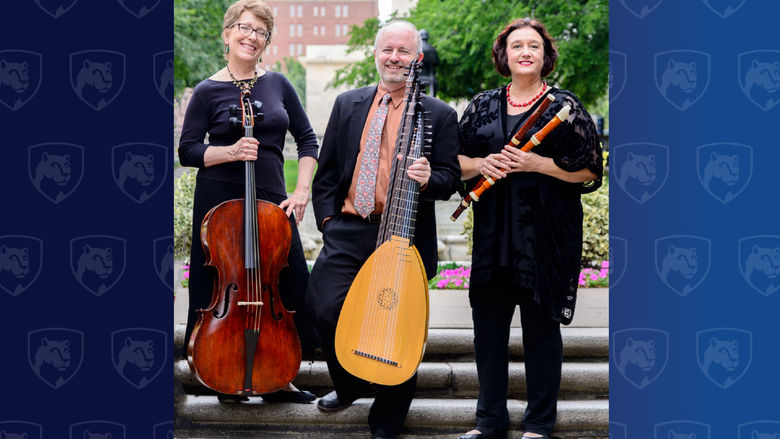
column 383, row 325
column 217, row 351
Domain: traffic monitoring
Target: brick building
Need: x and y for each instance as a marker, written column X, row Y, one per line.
column 298, row 23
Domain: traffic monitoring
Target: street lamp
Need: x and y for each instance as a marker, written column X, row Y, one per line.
column 430, row 61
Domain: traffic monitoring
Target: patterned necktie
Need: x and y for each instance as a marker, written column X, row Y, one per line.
column 366, row 184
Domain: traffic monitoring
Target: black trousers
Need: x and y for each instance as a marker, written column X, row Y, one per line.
column 292, row 279
column 543, row 350
column 348, row 242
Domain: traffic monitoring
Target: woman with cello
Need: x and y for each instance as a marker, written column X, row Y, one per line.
column 527, row 228
column 248, row 25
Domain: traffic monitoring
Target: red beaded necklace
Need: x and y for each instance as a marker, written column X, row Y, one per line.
column 524, row 104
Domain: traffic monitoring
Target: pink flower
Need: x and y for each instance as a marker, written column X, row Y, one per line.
column 458, row 282
column 603, row 273
column 593, row 276
column 442, row 283
column 605, row 264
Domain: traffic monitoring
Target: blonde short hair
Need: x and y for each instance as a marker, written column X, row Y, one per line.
column 257, row 7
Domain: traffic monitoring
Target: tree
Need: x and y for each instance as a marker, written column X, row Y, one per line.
column 198, row 47
column 464, row 36
column 296, row 73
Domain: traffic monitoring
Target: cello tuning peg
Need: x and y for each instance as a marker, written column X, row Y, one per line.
column 257, row 105
column 234, row 122
column 259, row 117
column 233, row 110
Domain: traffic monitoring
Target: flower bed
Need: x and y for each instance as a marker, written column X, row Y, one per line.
column 453, row 276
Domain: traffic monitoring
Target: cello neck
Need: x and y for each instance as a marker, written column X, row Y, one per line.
column 250, row 197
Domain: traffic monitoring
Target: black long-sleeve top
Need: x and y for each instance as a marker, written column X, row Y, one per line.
column 208, row 113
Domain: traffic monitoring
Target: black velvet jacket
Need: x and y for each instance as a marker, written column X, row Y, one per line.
column 528, row 226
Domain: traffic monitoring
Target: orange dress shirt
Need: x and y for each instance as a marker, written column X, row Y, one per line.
column 395, row 111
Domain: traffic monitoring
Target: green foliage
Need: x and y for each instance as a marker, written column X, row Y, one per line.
column 595, row 227
column 197, row 40
column 296, row 73
column 182, row 213
column 361, row 39
column 464, row 36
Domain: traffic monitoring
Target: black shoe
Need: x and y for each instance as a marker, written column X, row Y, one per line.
column 231, row 399
column 331, row 402
column 298, row 397
column 494, row 434
column 379, row 434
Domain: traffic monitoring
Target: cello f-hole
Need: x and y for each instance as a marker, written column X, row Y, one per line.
column 230, row 287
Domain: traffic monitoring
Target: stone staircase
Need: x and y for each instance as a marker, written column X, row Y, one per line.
column 443, row 407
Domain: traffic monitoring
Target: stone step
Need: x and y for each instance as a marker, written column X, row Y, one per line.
column 444, row 380
column 204, row 416
column 589, row 344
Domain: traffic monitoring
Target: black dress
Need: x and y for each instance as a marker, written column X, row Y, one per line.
column 528, row 226
column 208, row 113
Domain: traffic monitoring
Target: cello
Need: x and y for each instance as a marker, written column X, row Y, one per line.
column 245, row 342
column 383, row 325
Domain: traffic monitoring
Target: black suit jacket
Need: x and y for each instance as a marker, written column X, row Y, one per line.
column 338, row 156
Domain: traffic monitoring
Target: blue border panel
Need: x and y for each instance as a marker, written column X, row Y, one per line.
column 694, row 237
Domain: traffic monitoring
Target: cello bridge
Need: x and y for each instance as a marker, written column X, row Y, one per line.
column 240, row 303
column 377, row 358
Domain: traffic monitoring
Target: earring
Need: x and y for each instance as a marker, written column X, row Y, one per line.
column 259, row 60
column 227, row 49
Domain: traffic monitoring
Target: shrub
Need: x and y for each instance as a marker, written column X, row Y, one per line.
column 183, row 193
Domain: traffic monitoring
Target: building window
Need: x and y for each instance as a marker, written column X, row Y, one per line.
column 292, row 30
column 338, row 11
column 292, row 11
column 316, row 29
column 344, row 30
column 338, row 30
column 300, row 10
column 292, row 49
column 274, row 50
column 276, row 12
column 322, row 11
column 316, row 10
column 300, row 49
column 346, row 10
column 300, row 30
column 322, row 30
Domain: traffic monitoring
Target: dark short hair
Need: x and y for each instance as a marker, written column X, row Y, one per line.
column 499, row 47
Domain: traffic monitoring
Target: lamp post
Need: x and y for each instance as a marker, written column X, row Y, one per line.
column 430, row 61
